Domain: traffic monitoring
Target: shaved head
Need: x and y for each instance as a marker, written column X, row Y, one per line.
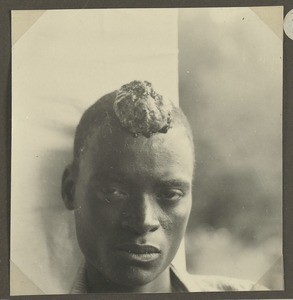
column 104, row 115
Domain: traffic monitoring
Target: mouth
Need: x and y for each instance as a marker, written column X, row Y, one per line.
column 138, row 252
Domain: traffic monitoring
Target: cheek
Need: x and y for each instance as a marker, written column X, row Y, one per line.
column 96, row 229
column 174, row 226
column 175, row 219
column 96, row 220
column 97, row 215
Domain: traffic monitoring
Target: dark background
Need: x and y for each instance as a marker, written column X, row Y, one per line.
column 230, row 87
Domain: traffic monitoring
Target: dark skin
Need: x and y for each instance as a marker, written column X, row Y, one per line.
column 131, row 199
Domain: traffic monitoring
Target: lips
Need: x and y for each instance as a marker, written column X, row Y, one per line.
column 138, row 248
column 138, row 252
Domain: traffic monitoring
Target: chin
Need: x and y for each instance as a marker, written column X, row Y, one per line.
column 134, row 276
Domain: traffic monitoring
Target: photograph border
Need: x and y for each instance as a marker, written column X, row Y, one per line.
column 5, row 141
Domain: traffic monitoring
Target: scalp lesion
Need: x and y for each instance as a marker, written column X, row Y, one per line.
column 141, row 110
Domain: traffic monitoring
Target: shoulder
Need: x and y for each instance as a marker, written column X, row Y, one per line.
column 221, row 283
column 207, row 283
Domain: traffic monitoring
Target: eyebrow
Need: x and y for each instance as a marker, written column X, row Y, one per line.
column 168, row 183
column 174, row 183
column 109, row 177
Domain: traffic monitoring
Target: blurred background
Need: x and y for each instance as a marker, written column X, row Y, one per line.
column 230, row 87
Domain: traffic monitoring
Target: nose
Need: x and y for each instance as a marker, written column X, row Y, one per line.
column 141, row 215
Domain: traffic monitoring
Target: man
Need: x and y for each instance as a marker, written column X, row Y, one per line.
column 130, row 188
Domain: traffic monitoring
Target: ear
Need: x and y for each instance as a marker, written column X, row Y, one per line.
column 68, row 186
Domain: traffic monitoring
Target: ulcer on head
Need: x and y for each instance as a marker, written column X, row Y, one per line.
column 141, row 110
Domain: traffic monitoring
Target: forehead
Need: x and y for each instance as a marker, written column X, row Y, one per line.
column 117, row 152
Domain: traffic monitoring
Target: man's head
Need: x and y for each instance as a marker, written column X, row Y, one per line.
column 130, row 184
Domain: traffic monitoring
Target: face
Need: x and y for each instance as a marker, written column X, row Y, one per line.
column 132, row 201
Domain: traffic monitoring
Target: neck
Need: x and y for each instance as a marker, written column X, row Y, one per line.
column 98, row 283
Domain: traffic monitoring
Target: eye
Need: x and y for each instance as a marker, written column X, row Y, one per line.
column 114, row 194
column 172, row 195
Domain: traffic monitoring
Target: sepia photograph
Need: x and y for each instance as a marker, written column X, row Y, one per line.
column 146, row 150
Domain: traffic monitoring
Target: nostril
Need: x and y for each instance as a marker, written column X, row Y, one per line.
column 154, row 229
column 141, row 216
column 139, row 224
